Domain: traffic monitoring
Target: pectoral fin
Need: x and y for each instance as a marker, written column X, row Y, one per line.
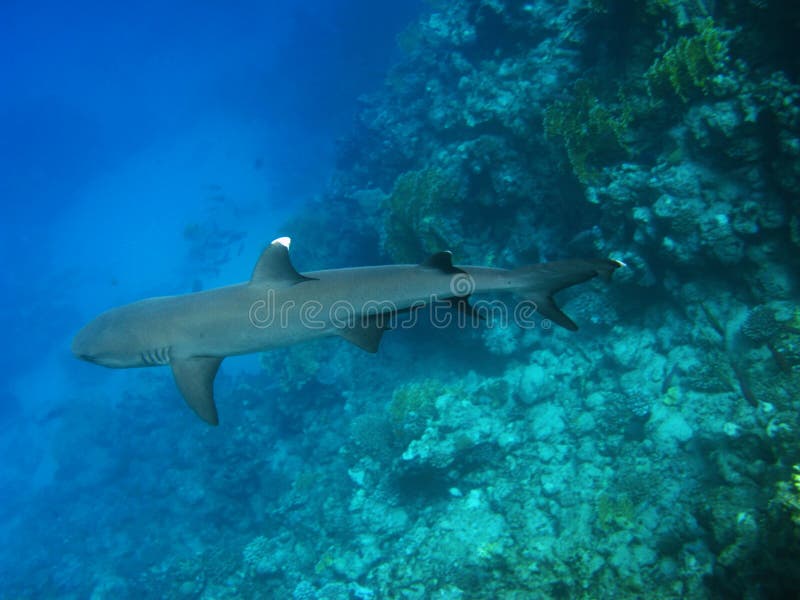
column 195, row 380
column 367, row 336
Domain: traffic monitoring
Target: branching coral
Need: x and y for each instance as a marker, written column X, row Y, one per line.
column 373, row 436
column 413, row 405
column 781, row 338
column 297, row 366
column 713, row 374
column 614, row 513
column 760, row 324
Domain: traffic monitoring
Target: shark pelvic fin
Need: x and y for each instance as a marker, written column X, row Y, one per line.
column 461, row 304
column 195, row 380
column 275, row 267
column 366, row 335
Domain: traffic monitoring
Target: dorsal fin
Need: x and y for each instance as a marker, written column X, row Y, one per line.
column 442, row 261
column 275, row 267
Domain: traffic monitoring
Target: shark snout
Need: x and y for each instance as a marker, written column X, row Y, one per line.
column 86, row 347
column 105, row 342
column 89, row 343
column 80, row 347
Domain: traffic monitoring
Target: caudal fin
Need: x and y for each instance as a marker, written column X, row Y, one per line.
column 540, row 282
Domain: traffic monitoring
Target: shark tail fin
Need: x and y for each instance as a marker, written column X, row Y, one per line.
column 540, row 282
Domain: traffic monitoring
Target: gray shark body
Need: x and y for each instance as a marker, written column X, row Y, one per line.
column 278, row 307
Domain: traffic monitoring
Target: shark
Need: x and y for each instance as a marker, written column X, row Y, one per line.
column 279, row 306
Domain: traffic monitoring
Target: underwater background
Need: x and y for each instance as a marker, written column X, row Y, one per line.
column 155, row 148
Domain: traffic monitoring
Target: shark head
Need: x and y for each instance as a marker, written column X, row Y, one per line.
column 104, row 342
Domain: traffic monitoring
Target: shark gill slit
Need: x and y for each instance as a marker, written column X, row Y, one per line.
column 157, row 356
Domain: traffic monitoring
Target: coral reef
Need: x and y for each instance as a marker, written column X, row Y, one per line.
column 653, row 453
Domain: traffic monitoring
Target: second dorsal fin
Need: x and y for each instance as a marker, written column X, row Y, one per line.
column 442, row 261
column 275, row 267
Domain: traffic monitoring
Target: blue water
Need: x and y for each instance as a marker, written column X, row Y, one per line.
column 156, row 148
column 146, row 149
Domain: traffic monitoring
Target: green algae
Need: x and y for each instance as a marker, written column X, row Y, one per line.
column 296, row 367
column 418, row 214
column 692, row 65
column 593, row 132
column 614, row 512
column 415, row 399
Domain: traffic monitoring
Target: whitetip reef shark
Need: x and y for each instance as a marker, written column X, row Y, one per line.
column 279, row 306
